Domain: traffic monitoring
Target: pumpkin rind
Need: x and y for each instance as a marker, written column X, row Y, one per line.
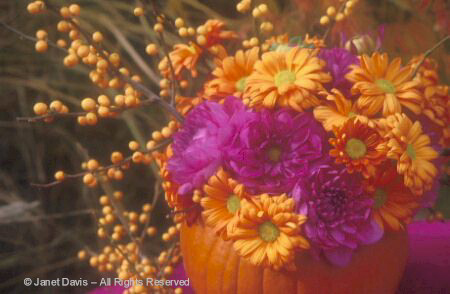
column 214, row 267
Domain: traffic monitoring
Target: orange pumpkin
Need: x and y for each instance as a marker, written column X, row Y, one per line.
column 214, row 267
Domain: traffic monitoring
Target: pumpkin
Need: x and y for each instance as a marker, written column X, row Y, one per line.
column 213, row 266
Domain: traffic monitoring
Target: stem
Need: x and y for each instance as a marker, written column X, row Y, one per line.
column 25, row 36
column 428, row 53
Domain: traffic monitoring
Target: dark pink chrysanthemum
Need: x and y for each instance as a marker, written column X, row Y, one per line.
column 274, row 149
column 197, row 146
column 339, row 213
column 338, row 65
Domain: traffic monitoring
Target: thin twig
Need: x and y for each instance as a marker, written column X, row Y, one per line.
column 428, row 53
column 101, row 169
column 27, row 37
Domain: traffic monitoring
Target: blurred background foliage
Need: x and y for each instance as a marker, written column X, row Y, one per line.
column 41, row 230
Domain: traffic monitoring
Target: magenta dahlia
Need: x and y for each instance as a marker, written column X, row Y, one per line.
column 197, row 146
column 338, row 64
column 339, row 213
column 274, row 149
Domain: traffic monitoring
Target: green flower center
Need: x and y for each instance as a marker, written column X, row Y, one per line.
column 411, row 151
column 268, row 231
column 274, row 154
column 380, row 198
column 233, row 203
column 192, row 49
column 355, row 148
column 282, row 48
column 284, row 77
column 240, row 85
column 351, row 114
column 385, row 85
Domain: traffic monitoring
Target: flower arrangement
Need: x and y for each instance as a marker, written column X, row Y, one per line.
column 280, row 145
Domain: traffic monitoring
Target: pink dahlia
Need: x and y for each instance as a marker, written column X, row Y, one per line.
column 197, row 146
column 339, row 213
column 338, row 65
column 274, row 149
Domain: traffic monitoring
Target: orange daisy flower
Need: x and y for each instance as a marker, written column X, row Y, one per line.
column 221, row 201
column 267, row 231
column 358, row 146
column 410, row 147
column 231, row 74
column 275, row 41
column 394, row 203
column 338, row 111
column 383, row 85
column 287, row 79
column 182, row 57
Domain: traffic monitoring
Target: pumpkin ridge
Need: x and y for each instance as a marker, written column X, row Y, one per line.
column 228, row 268
column 220, row 247
column 211, row 249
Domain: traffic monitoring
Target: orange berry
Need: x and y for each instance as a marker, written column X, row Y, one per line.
column 41, row 46
column 82, row 254
column 179, row 22
column 91, row 118
column 74, row 9
column 65, row 12
column 61, row 43
column 88, row 104
column 133, row 145
column 151, row 231
column 88, row 178
column 116, row 157
column 137, row 157
column 158, row 28
column 104, row 200
column 83, row 51
column 138, row 11
column 40, row 108
column 59, row 176
column 97, row 37
column 92, row 164
column 41, row 34
column 151, row 49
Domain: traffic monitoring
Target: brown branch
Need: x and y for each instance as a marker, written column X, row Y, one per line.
column 101, row 169
column 29, row 38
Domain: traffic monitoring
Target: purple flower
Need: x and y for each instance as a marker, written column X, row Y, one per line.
column 338, row 62
column 274, row 149
column 197, row 146
column 339, row 213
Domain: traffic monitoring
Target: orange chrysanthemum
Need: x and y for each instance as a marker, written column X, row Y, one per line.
column 436, row 99
column 231, row 74
column 267, row 231
column 316, row 41
column 221, row 201
column 394, row 203
column 185, row 104
column 410, row 147
column 183, row 208
column 358, row 146
column 287, row 79
column 383, row 85
column 182, row 57
column 337, row 111
column 213, row 31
